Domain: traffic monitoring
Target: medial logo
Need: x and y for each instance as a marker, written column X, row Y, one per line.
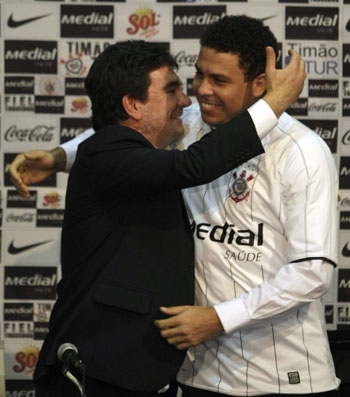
column 344, row 285
column 143, row 23
column 326, row 129
column 19, row 388
column 324, row 88
column 30, row 283
column 23, row 56
column 344, row 173
column 190, row 22
column 72, row 127
column 346, row 60
column 312, row 23
column 87, row 21
column 19, row 85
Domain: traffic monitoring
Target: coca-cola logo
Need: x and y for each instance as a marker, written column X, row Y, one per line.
column 39, row 133
column 345, row 202
column 23, row 218
column 346, row 138
column 184, row 59
column 325, row 107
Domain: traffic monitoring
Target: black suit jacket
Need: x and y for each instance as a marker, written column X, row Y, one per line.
column 127, row 249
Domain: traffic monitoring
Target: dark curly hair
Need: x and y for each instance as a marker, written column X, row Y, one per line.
column 242, row 35
column 122, row 69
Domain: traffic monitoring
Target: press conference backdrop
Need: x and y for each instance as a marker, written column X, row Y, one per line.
column 47, row 48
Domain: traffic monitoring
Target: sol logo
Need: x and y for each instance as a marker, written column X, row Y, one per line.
column 143, row 19
column 26, row 359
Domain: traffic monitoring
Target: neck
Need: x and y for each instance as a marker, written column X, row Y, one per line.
column 153, row 139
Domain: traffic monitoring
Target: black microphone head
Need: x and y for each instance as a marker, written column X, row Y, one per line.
column 65, row 348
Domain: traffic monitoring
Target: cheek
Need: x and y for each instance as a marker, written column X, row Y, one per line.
column 195, row 84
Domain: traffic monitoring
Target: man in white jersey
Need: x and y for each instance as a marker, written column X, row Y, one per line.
column 265, row 240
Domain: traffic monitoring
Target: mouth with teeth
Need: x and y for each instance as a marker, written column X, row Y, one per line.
column 208, row 106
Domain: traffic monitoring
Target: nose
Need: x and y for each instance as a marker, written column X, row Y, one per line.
column 201, row 86
column 184, row 100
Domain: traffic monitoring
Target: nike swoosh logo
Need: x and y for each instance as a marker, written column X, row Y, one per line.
column 347, row 27
column 267, row 18
column 17, row 250
column 15, row 24
column 346, row 250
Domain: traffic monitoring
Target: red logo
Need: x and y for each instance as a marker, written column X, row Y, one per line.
column 74, row 65
column 144, row 20
column 26, row 360
column 80, row 105
column 52, row 200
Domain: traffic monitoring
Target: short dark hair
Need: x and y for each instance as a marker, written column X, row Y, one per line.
column 242, row 35
column 122, row 69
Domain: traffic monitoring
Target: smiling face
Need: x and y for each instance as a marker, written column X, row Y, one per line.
column 221, row 88
column 162, row 110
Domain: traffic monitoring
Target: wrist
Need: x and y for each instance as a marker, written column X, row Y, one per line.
column 216, row 322
column 59, row 159
column 275, row 104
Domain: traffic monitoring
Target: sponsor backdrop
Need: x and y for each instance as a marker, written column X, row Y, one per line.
column 48, row 47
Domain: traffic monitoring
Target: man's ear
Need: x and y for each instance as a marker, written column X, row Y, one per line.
column 259, row 85
column 132, row 107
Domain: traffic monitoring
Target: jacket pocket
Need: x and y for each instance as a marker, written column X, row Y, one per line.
column 123, row 298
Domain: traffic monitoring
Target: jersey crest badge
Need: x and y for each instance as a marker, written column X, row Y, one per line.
column 239, row 189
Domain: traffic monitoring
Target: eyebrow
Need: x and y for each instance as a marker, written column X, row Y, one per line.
column 214, row 75
column 172, row 84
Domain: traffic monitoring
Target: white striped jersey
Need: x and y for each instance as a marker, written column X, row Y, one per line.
column 278, row 208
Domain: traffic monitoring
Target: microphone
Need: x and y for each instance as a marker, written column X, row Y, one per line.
column 68, row 354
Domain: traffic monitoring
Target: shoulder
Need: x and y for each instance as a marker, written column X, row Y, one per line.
column 299, row 148
column 113, row 136
column 296, row 137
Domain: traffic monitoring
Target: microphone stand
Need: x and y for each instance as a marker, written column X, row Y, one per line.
column 74, row 380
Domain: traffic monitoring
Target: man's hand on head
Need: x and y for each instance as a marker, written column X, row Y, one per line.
column 283, row 86
column 189, row 325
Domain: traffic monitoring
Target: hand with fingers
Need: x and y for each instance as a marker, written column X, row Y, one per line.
column 35, row 166
column 189, row 325
column 283, row 86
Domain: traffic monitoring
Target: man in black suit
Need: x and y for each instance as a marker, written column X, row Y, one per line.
column 127, row 246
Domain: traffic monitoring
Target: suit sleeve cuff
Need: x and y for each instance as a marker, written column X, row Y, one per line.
column 263, row 117
column 71, row 147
